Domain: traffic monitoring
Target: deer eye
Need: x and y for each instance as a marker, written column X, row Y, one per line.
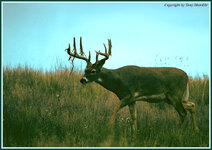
column 93, row 71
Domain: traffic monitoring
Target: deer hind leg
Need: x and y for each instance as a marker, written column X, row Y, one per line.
column 132, row 109
column 190, row 106
column 181, row 111
column 178, row 107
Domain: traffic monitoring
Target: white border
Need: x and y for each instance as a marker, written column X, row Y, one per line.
column 105, row 148
column 5, row 2
column 89, row 2
column 1, row 75
column 210, row 75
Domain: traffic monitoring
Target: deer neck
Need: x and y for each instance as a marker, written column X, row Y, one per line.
column 106, row 78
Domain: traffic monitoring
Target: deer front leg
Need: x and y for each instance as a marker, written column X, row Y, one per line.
column 132, row 108
column 120, row 105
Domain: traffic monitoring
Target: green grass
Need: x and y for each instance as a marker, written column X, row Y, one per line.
column 54, row 109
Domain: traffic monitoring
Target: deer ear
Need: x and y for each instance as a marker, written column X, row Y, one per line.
column 100, row 63
column 89, row 64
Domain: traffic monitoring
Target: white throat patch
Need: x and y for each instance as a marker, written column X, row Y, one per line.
column 99, row 80
column 136, row 94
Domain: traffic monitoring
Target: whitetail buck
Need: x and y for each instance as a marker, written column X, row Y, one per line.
column 132, row 83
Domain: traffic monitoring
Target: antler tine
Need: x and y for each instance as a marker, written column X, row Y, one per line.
column 81, row 49
column 97, row 55
column 103, row 54
column 89, row 57
column 110, row 46
column 68, row 50
column 106, row 54
column 105, row 48
column 75, row 50
column 75, row 54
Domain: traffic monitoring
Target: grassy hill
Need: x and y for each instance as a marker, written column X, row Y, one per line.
column 54, row 109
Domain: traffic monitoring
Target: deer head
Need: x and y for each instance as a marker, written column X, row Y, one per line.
column 92, row 71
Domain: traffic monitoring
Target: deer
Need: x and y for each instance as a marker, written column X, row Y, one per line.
column 133, row 83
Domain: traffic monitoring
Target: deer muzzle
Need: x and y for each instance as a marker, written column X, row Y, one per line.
column 84, row 80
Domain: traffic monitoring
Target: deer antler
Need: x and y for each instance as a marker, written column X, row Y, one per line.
column 75, row 54
column 107, row 53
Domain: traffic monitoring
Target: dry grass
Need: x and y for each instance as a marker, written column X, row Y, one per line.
column 54, row 109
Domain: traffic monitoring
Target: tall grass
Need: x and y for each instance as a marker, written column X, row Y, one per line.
column 54, row 109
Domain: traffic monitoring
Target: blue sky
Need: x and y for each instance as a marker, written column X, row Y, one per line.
column 143, row 34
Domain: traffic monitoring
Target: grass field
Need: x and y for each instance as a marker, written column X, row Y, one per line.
column 53, row 109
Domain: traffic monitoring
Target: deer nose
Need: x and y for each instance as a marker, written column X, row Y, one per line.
column 84, row 80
